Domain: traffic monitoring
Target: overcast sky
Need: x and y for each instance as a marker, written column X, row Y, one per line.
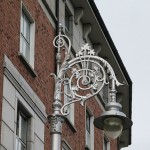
column 128, row 22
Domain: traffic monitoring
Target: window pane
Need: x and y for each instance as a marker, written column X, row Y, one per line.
column 23, row 44
column 24, row 25
column 27, row 52
column 19, row 145
column 17, row 126
column 66, row 98
column 68, row 108
column 23, row 128
column 105, row 93
column 22, row 22
column 63, row 148
column 67, row 19
column 87, row 121
column 25, row 49
column 27, row 29
column 105, row 144
column 25, row 36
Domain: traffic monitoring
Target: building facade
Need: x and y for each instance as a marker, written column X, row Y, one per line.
column 28, row 56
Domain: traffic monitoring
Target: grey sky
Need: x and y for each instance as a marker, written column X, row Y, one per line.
column 128, row 22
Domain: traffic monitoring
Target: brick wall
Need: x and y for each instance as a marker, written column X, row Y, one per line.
column 43, row 84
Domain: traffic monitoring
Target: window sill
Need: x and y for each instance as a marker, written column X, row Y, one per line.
column 28, row 66
column 71, row 126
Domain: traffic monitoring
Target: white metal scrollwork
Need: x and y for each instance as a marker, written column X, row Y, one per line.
column 87, row 74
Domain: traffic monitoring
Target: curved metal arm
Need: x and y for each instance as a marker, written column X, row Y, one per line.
column 59, row 42
column 88, row 74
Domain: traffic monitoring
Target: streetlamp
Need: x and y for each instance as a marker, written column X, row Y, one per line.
column 113, row 121
column 87, row 76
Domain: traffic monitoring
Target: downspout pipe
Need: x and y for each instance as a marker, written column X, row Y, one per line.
column 56, row 119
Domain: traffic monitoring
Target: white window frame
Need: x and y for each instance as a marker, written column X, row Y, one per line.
column 26, row 13
column 89, row 135
column 19, row 140
column 69, row 29
column 26, row 113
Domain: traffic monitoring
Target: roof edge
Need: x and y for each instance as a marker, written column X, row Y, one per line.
column 115, row 51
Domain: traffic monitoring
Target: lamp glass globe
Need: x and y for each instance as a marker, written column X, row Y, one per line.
column 113, row 127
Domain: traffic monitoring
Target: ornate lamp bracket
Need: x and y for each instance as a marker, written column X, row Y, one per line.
column 84, row 75
column 87, row 73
